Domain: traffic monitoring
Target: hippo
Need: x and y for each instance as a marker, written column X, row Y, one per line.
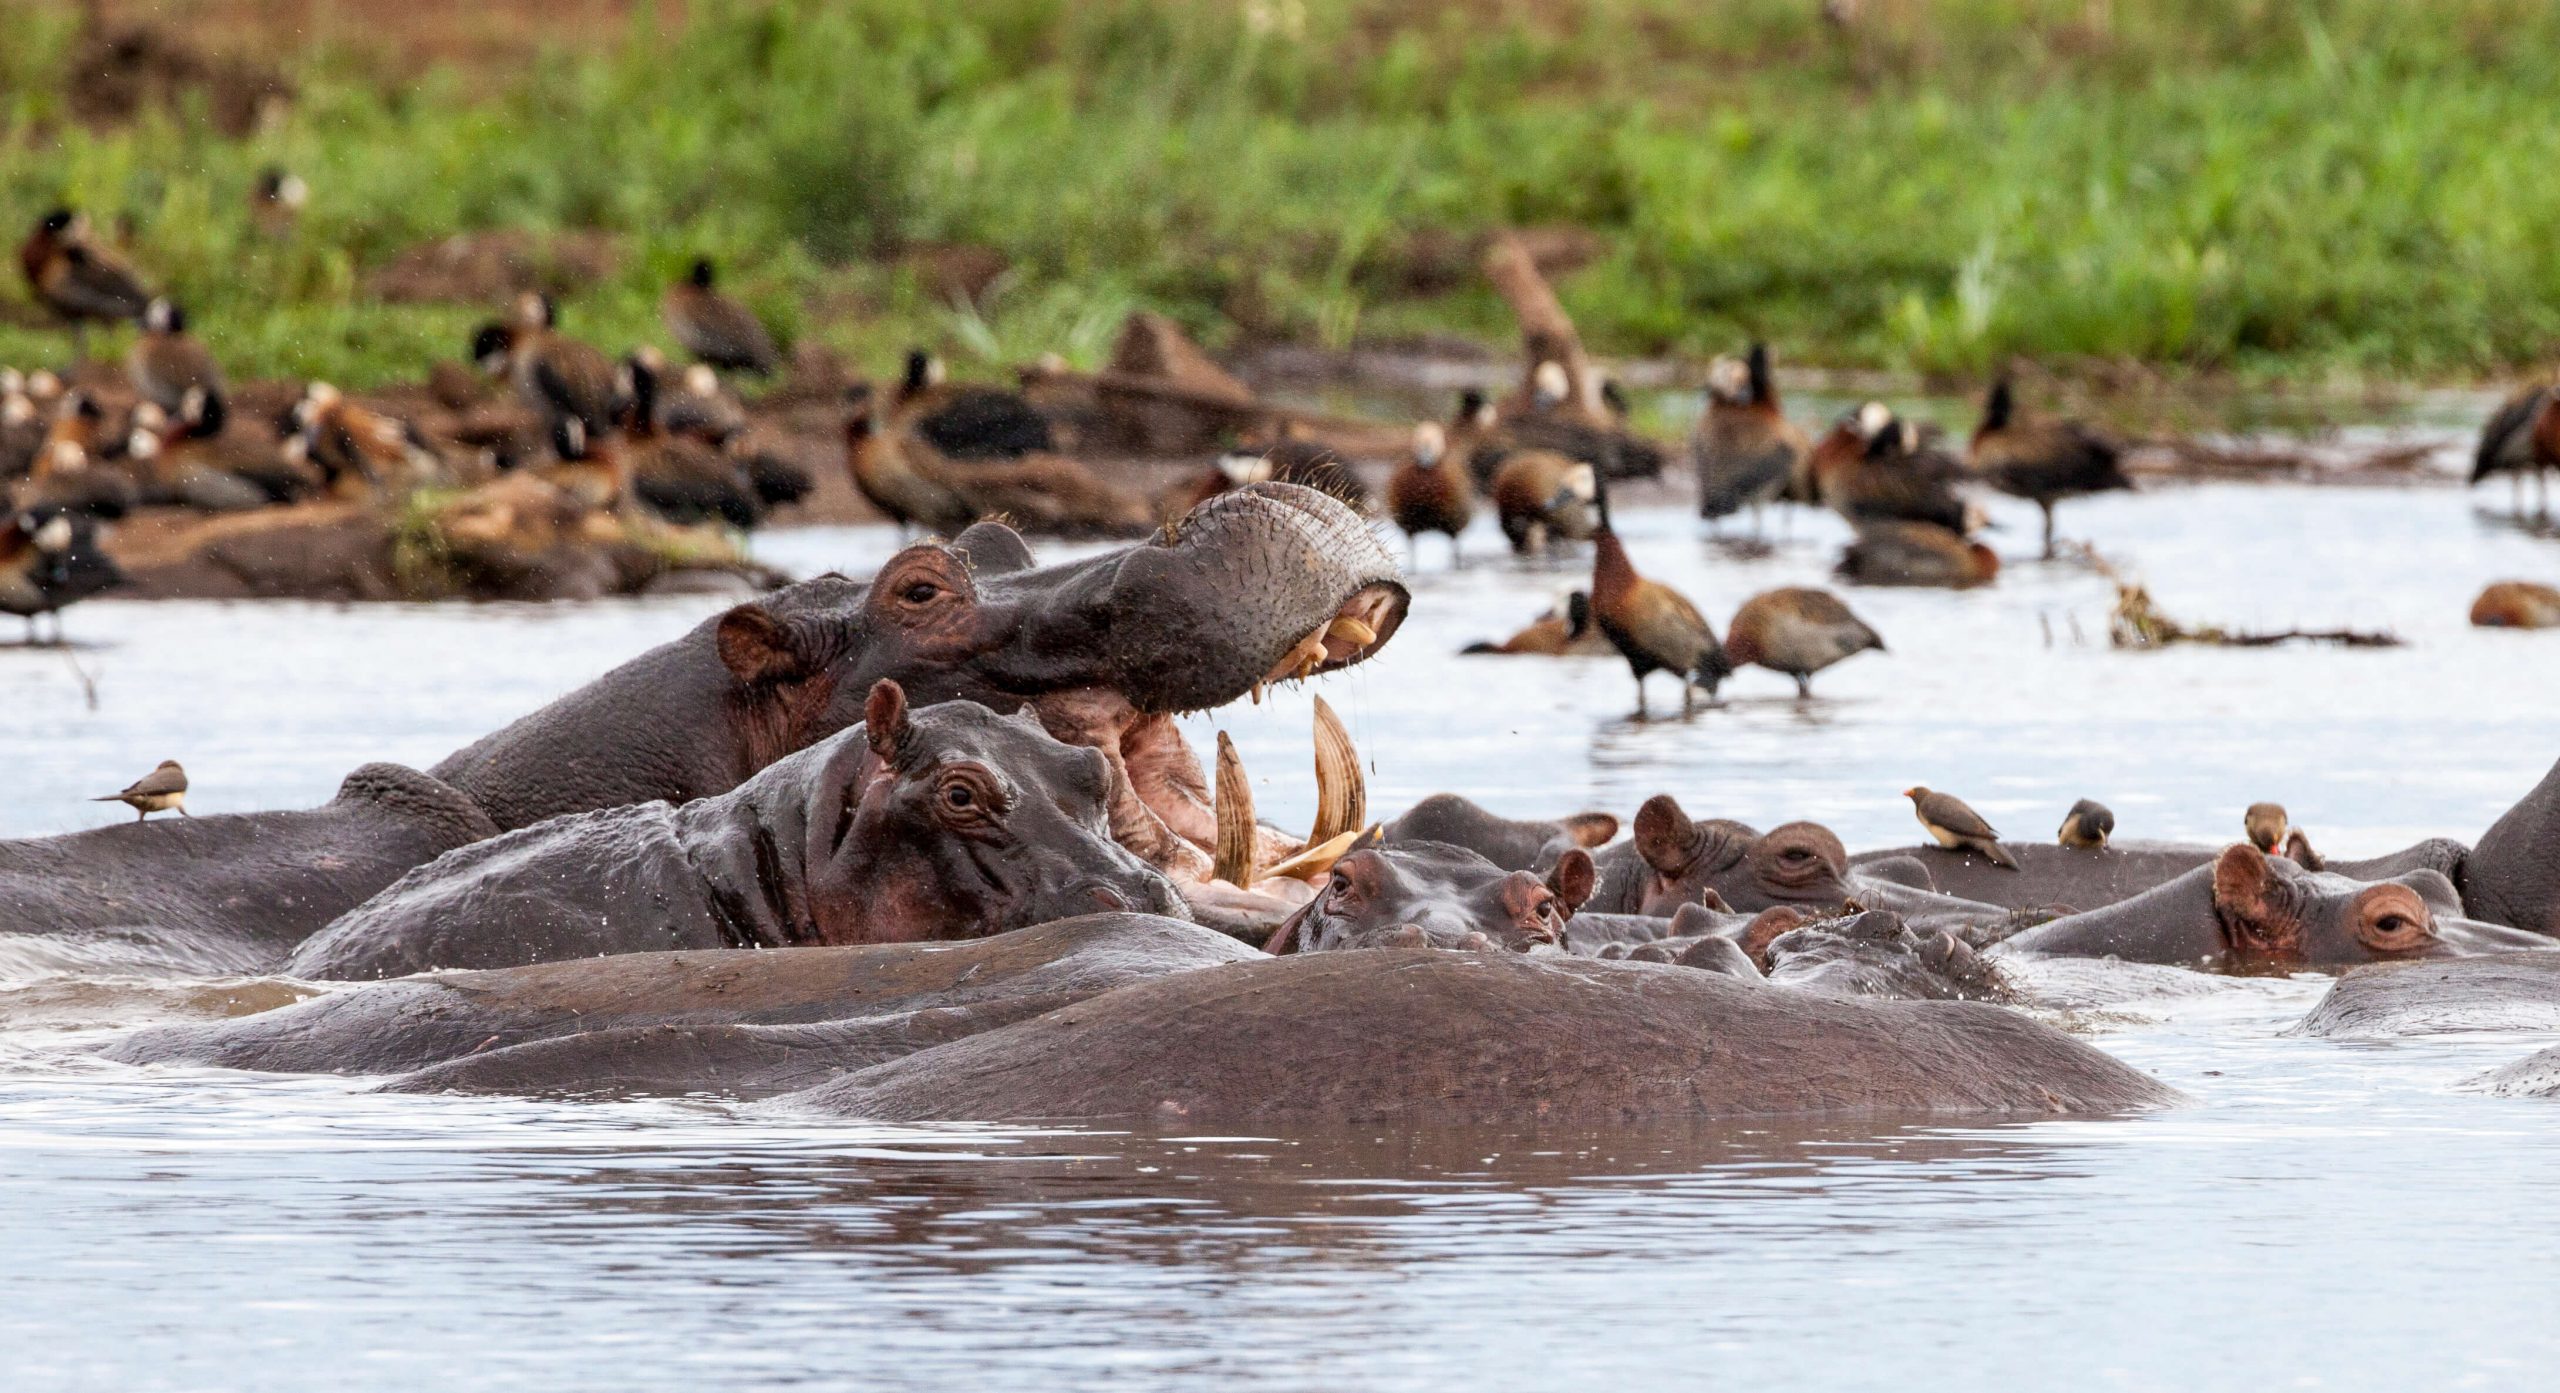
column 2495, row 991
column 1122, row 1015
column 2252, row 912
column 2537, row 1075
column 1673, row 860
column 947, row 821
column 2074, row 878
column 231, row 893
column 742, row 1024
column 1430, row 894
column 1865, row 953
column 1512, row 844
column 1378, row 1036
column 2513, row 874
column 1262, row 582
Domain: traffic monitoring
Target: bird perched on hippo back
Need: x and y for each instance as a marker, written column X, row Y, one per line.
column 1957, row 827
column 942, row 822
column 2087, row 826
column 2270, row 830
column 163, row 790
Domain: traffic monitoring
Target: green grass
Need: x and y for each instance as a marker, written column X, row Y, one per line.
column 2300, row 191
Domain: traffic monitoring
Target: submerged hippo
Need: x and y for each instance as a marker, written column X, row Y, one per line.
column 2496, row 991
column 2513, row 875
column 2252, row 912
column 2076, row 878
column 1261, row 582
column 1429, row 894
column 945, row 822
column 735, row 1023
column 1869, row 953
column 1511, row 843
column 1132, row 1016
column 1406, row 1039
column 1673, row 860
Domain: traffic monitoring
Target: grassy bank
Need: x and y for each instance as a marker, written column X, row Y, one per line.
column 2267, row 187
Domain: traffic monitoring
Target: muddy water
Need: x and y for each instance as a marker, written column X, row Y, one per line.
column 2323, row 1215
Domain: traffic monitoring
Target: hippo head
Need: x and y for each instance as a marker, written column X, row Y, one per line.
column 1433, row 895
column 2274, row 914
column 1873, row 953
column 1799, row 863
column 950, row 821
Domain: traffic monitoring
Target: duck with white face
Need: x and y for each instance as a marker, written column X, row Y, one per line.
column 49, row 563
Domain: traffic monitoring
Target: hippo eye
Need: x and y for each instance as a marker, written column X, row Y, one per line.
column 919, row 592
column 959, row 796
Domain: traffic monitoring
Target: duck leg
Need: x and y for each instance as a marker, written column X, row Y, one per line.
column 2047, row 505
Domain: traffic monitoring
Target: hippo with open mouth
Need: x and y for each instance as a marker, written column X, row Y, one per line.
column 1263, row 583
column 944, row 822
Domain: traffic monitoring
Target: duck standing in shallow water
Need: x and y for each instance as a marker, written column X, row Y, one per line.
column 1745, row 450
column 1797, row 630
column 2043, row 462
column 1653, row 626
column 1563, row 631
column 48, row 564
column 2522, row 437
column 1430, row 492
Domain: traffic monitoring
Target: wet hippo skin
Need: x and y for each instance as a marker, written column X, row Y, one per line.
column 945, row 822
column 688, row 1022
column 1403, row 1038
column 2498, row 991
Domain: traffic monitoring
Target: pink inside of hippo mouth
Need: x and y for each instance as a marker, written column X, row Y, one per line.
column 1163, row 806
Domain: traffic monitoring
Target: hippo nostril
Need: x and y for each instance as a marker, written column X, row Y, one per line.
column 1109, row 900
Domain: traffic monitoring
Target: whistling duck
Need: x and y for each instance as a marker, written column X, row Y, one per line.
column 354, row 448
column 71, row 472
column 592, row 470
column 1539, row 494
column 77, row 278
column 50, row 562
column 1552, row 422
column 1797, row 630
column 696, row 404
column 2087, row 826
column 1430, row 492
column 555, row 374
column 714, row 328
column 2522, row 438
column 276, row 201
column 180, row 461
column 909, row 489
column 167, row 362
column 679, row 477
column 1564, row 630
column 1653, row 626
column 1875, row 467
column 1916, row 553
column 965, row 422
column 2043, row 462
column 22, row 426
column 1745, row 450
column 2517, row 604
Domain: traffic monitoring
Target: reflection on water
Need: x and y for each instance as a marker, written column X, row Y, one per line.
column 2340, row 1213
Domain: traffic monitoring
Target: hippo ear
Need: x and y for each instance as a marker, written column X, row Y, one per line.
column 884, row 719
column 1591, row 829
column 758, row 647
column 2244, row 885
column 1665, row 837
column 1573, row 879
column 992, row 549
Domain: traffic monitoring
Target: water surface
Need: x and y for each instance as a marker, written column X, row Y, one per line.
column 2323, row 1215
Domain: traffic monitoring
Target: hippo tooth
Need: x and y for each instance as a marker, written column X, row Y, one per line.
column 1346, row 627
column 1236, row 832
column 1342, row 795
column 1314, row 861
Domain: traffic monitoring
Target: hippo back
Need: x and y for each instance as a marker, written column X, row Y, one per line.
column 233, row 892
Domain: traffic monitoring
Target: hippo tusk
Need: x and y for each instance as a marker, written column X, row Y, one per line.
column 1314, row 861
column 1360, row 635
column 1236, row 833
column 1342, row 795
